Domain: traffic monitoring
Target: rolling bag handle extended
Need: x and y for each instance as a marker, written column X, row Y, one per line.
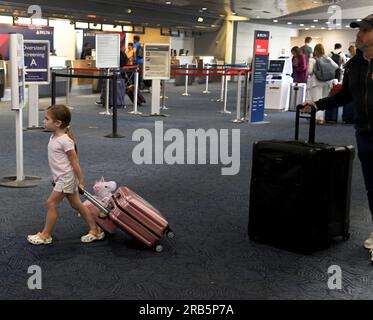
column 92, row 199
column 311, row 134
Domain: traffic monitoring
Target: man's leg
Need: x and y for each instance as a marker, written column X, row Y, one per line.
column 365, row 153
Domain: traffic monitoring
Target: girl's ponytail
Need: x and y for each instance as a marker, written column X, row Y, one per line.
column 69, row 133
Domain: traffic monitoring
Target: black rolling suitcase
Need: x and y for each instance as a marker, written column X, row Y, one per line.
column 300, row 192
column 120, row 93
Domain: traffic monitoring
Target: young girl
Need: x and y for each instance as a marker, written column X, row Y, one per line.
column 67, row 176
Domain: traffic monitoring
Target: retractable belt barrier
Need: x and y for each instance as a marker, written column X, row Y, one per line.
column 113, row 77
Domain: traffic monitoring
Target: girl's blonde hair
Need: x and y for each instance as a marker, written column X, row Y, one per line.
column 62, row 113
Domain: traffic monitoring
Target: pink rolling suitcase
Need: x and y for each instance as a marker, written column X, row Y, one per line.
column 135, row 216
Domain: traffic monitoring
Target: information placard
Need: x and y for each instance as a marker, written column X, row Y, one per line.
column 259, row 75
column 36, row 61
column 157, row 61
column 107, row 50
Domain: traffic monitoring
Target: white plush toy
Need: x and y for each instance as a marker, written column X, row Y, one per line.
column 104, row 190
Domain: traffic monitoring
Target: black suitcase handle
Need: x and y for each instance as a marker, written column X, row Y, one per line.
column 312, row 130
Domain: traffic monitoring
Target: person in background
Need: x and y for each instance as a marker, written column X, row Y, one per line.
column 339, row 58
column 317, row 89
column 357, row 87
column 139, row 58
column 307, row 49
column 352, row 51
column 130, row 53
column 299, row 65
column 87, row 51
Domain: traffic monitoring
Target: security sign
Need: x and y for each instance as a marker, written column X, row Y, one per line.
column 36, row 57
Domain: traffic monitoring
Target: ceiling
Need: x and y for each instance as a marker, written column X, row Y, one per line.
column 183, row 14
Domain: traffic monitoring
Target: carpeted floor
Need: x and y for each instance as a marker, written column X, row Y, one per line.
column 211, row 256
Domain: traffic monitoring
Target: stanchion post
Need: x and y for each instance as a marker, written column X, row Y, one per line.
column 53, row 89
column 225, row 111
column 115, row 113
column 135, row 93
column 246, row 99
column 222, row 87
column 238, row 103
column 68, row 79
column 207, row 80
column 186, row 81
column 164, row 95
column 107, row 95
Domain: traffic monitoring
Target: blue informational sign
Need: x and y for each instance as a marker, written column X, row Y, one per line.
column 259, row 75
column 36, row 57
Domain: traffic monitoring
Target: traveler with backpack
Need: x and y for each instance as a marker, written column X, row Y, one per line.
column 321, row 71
column 139, row 58
column 339, row 58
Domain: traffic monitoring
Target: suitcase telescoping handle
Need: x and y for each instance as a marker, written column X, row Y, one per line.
column 92, row 199
column 311, row 134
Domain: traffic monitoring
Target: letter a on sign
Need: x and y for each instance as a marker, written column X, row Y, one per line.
column 33, row 63
column 34, row 282
column 335, row 280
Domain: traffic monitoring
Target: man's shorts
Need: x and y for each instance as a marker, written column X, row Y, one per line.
column 67, row 184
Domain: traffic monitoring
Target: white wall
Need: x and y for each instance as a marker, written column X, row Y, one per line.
column 178, row 43
column 64, row 38
column 330, row 37
column 279, row 43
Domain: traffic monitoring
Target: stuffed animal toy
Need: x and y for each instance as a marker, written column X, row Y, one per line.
column 104, row 190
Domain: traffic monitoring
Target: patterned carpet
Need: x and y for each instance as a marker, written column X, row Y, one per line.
column 211, row 256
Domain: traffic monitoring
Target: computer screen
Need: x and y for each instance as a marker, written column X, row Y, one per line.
column 276, row 66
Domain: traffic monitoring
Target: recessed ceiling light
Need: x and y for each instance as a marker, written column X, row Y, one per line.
column 200, row 19
column 307, row 28
column 168, row 2
column 275, row 20
column 290, row 22
column 312, row 26
column 301, row 25
column 204, row 8
column 315, row 20
column 129, row 10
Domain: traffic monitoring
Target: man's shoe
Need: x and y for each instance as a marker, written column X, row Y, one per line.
column 368, row 243
column 99, row 102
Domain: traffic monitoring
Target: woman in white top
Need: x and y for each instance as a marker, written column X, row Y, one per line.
column 317, row 89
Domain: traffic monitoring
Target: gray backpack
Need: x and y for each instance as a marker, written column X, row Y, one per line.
column 324, row 69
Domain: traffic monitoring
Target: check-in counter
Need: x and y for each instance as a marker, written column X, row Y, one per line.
column 83, row 64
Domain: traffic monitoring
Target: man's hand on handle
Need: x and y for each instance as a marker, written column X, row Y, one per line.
column 308, row 106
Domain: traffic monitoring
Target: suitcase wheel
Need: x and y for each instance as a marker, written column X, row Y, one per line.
column 170, row 234
column 158, row 248
column 346, row 236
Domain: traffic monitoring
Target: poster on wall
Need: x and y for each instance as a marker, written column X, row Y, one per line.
column 157, row 61
column 43, row 33
column 107, row 50
column 259, row 75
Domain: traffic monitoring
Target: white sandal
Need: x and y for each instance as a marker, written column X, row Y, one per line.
column 38, row 239
column 90, row 237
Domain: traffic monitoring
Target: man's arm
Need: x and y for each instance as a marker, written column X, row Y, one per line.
column 339, row 99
